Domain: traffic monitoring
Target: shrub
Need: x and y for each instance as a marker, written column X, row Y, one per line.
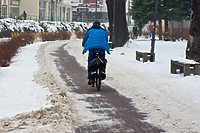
column 80, row 34
column 65, row 35
column 5, row 31
column 44, row 27
column 52, row 36
column 108, row 32
column 146, row 33
column 184, row 36
column 45, row 36
column 9, row 48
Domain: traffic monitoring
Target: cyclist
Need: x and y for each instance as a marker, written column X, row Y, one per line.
column 95, row 39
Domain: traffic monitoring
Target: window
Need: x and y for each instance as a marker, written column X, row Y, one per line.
column 15, row 2
column 68, row 14
column 42, row 10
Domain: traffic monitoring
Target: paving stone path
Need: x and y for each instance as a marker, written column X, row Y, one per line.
column 117, row 109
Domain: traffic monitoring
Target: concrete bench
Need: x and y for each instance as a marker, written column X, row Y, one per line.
column 185, row 67
column 144, row 56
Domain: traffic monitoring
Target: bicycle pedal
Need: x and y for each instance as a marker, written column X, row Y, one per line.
column 92, row 85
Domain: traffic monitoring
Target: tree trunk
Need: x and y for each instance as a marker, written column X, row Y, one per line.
column 193, row 44
column 121, row 29
column 160, row 29
column 166, row 24
column 140, row 31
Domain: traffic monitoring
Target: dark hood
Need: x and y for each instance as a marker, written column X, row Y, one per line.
column 96, row 26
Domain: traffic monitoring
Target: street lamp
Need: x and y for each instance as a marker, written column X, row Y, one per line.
column 153, row 34
column 113, row 29
column 101, row 6
column 0, row 8
column 128, row 12
column 56, row 10
column 96, row 11
column 86, row 13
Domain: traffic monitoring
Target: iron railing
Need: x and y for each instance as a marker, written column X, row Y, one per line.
column 49, row 18
column 35, row 17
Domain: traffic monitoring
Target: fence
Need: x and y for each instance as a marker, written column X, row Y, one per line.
column 49, row 18
column 35, row 17
column 87, row 20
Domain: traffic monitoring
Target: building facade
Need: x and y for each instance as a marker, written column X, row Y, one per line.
column 39, row 10
column 89, row 10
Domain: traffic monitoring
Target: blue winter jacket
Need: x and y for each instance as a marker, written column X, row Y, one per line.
column 95, row 38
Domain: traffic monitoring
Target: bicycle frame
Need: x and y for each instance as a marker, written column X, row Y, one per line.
column 98, row 77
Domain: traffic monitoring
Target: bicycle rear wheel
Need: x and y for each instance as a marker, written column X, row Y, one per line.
column 98, row 79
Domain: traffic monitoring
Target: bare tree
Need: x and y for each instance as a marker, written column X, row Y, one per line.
column 121, row 29
column 193, row 45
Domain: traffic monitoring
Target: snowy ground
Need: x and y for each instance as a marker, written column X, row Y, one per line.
column 172, row 101
column 17, row 89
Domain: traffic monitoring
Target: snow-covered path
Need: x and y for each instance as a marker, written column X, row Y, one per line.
column 171, row 101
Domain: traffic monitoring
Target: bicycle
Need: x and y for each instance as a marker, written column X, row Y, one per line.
column 97, row 69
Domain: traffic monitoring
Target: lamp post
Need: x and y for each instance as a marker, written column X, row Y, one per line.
column 101, row 5
column 0, row 8
column 113, row 27
column 86, row 12
column 128, row 12
column 153, row 34
column 56, row 9
column 96, row 11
